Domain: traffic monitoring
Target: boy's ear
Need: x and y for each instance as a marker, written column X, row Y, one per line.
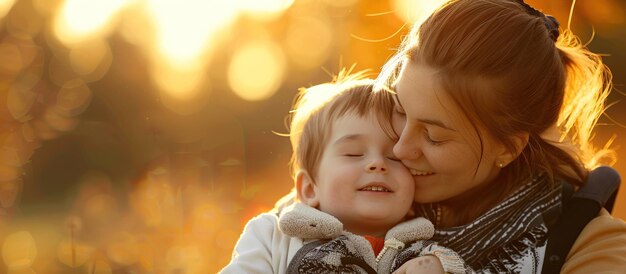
column 306, row 189
column 507, row 156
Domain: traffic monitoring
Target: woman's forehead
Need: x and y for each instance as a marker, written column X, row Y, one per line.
column 417, row 89
column 421, row 96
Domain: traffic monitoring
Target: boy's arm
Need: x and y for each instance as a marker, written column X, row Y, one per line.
column 253, row 251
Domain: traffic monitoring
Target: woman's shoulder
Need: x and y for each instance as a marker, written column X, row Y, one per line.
column 603, row 227
column 600, row 246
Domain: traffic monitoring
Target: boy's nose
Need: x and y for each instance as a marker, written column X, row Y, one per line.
column 377, row 166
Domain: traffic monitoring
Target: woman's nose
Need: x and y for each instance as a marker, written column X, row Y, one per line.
column 407, row 148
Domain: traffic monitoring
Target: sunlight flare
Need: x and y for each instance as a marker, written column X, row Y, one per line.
column 411, row 11
column 79, row 20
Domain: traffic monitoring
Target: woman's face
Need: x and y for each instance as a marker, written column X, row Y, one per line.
column 437, row 141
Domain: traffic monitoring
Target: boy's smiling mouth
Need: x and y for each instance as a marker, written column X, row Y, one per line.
column 375, row 189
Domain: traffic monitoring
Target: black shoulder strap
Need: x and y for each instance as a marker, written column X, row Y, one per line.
column 584, row 205
column 578, row 212
column 611, row 202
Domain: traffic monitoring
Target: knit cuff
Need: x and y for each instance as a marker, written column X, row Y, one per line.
column 450, row 260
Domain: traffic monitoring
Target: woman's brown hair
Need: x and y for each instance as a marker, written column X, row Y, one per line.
column 502, row 66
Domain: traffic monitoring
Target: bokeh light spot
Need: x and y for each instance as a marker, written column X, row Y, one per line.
column 74, row 254
column 58, row 122
column 257, row 70
column 80, row 20
column 11, row 59
column 17, row 149
column 73, row 224
column 185, row 30
column 21, row 23
column 123, row 249
column 411, row 11
column 29, row 134
column 5, row 6
column 298, row 44
column 8, row 173
column 226, row 239
column 73, row 98
column 43, row 130
column 60, row 71
column 265, row 10
column 19, row 250
column 101, row 207
column 20, row 101
column 91, row 59
column 205, row 218
column 341, row 3
column 98, row 266
column 179, row 82
column 184, row 259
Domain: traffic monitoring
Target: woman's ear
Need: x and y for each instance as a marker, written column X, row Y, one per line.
column 306, row 189
column 507, row 156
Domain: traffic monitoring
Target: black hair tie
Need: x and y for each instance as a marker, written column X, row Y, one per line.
column 553, row 26
column 551, row 23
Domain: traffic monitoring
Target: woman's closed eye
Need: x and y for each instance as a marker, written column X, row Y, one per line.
column 431, row 140
column 399, row 110
column 393, row 158
column 353, row 154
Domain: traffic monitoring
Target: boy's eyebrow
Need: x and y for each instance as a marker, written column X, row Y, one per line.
column 347, row 138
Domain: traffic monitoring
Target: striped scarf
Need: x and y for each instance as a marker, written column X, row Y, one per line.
column 510, row 237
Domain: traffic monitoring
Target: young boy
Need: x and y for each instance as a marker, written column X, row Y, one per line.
column 352, row 194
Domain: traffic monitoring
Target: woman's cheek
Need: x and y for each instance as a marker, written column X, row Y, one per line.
column 441, row 158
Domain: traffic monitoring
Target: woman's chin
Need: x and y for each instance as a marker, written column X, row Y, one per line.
column 425, row 197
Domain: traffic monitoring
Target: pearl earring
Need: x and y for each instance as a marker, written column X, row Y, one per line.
column 500, row 165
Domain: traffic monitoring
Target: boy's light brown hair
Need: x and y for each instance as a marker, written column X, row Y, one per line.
column 315, row 109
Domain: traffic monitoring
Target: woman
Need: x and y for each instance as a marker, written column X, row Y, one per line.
column 485, row 90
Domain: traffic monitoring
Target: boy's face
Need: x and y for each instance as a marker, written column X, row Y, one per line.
column 359, row 180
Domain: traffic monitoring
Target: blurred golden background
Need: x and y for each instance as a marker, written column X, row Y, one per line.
column 138, row 136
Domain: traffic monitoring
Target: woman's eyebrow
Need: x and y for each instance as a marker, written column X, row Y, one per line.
column 425, row 121
column 436, row 123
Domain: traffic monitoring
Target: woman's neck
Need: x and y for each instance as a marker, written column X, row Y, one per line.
column 467, row 207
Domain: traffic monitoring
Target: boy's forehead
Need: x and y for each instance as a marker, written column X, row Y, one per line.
column 348, row 138
column 353, row 126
